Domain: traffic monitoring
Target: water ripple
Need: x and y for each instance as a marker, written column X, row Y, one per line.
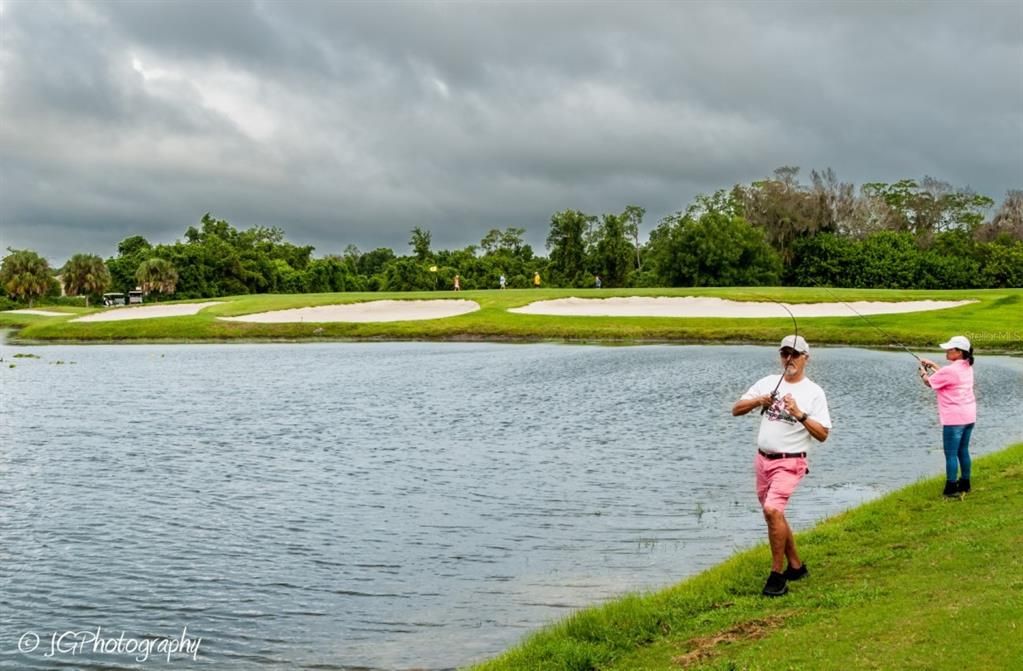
column 389, row 506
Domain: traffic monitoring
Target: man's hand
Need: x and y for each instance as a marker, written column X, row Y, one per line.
column 743, row 406
column 791, row 407
column 815, row 428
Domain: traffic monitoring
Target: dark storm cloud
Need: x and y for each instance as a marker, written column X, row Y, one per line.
column 353, row 122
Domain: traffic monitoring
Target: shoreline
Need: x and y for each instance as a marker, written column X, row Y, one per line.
column 499, row 340
column 718, row 618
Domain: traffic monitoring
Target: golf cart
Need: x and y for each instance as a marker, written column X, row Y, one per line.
column 112, row 299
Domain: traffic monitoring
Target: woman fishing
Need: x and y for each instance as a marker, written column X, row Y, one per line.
column 957, row 409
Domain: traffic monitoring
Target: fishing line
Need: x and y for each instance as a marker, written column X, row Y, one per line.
column 891, row 340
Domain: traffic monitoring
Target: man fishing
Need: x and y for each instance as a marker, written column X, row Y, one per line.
column 794, row 414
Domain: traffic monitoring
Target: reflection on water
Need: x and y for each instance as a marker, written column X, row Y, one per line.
column 406, row 504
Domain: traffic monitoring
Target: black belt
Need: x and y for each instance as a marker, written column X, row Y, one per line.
column 782, row 455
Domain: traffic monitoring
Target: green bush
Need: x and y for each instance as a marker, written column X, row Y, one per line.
column 885, row 260
column 822, row 260
column 1002, row 264
column 716, row 248
column 408, row 274
column 74, row 301
column 937, row 271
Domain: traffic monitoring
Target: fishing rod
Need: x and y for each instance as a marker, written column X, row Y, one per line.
column 891, row 340
column 795, row 326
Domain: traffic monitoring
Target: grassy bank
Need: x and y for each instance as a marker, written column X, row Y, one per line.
column 911, row 581
column 993, row 322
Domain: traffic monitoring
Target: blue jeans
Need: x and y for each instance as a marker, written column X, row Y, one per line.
column 957, row 450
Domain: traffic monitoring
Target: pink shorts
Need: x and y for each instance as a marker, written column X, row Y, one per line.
column 777, row 479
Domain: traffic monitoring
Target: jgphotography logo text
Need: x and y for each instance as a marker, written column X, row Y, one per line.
column 75, row 643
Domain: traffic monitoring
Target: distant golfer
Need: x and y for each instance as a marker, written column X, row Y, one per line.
column 458, row 283
column 536, row 279
column 957, row 410
column 796, row 414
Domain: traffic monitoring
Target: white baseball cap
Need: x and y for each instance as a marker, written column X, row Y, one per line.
column 957, row 342
column 796, row 342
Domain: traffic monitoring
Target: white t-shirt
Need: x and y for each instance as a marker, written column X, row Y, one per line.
column 780, row 431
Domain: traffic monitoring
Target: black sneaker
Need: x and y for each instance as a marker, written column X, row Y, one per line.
column 775, row 585
column 951, row 489
column 796, row 573
column 964, row 486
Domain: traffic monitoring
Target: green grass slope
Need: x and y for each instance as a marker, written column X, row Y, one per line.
column 910, row 581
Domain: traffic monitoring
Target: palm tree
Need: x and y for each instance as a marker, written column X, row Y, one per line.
column 25, row 275
column 85, row 274
column 157, row 275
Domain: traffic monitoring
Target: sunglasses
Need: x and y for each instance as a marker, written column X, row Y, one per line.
column 790, row 354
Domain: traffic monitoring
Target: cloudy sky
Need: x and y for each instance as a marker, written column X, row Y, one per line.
column 350, row 122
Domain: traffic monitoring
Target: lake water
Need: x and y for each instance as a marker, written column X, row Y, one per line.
column 400, row 505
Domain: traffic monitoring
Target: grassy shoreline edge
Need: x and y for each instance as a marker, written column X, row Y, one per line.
column 889, row 580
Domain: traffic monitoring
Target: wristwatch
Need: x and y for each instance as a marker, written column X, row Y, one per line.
column 803, row 418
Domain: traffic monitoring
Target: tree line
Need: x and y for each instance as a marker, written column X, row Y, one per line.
column 777, row 231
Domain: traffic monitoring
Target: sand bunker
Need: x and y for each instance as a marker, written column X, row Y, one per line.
column 692, row 306
column 41, row 313
column 373, row 311
column 146, row 312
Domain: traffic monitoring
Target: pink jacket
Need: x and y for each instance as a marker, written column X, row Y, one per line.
column 954, row 386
